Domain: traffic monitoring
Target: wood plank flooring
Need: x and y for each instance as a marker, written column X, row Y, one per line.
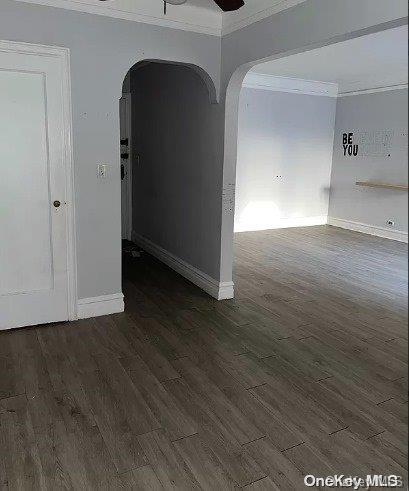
column 305, row 372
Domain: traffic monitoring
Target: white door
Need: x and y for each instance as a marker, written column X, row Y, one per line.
column 126, row 165
column 33, row 213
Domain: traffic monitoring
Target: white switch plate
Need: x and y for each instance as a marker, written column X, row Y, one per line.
column 102, row 171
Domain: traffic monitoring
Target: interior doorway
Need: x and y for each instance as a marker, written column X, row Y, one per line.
column 169, row 150
column 322, row 140
column 315, row 127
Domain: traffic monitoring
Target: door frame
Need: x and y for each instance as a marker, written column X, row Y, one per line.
column 128, row 98
column 63, row 55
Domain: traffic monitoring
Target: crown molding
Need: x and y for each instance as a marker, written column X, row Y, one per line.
column 385, row 88
column 229, row 22
column 263, row 81
column 235, row 25
column 105, row 10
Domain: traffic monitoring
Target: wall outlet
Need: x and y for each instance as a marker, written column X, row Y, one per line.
column 102, row 171
column 390, row 223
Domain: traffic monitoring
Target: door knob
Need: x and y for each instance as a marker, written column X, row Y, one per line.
column 57, row 204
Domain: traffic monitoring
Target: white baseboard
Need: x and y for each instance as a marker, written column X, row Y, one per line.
column 281, row 223
column 103, row 305
column 216, row 289
column 386, row 233
column 226, row 290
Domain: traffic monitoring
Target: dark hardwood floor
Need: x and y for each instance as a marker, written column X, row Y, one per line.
column 305, row 372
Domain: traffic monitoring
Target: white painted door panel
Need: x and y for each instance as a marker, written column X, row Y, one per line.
column 33, row 233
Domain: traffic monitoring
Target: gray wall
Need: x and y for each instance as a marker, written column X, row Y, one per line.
column 371, row 112
column 178, row 135
column 102, row 51
column 284, row 158
column 312, row 24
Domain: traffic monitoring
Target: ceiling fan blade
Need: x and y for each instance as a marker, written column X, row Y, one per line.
column 229, row 5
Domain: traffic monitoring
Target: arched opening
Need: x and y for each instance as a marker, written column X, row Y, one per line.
column 170, row 152
column 233, row 87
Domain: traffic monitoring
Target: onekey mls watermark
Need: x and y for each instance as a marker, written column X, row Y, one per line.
column 354, row 482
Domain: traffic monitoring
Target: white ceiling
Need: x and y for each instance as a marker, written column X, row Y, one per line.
column 376, row 60
column 196, row 15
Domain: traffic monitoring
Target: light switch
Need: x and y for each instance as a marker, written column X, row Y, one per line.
column 102, row 171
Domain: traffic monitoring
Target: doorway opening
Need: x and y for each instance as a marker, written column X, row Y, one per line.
column 318, row 132
column 168, row 115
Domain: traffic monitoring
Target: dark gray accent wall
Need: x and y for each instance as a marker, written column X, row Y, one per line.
column 178, row 136
column 382, row 111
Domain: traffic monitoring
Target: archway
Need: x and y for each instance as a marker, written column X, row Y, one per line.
column 174, row 149
column 233, row 80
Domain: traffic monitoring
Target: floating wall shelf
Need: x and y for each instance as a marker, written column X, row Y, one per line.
column 395, row 187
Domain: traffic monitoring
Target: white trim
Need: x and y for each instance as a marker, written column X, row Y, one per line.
column 107, row 10
column 64, row 55
column 227, row 23
column 216, row 289
column 280, row 5
column 386, row 233
column 70, row 190
column 282, row 223
column 226, row 290
column 103, row 305
column 386, row 88
column 265, row 81
column 33, row 49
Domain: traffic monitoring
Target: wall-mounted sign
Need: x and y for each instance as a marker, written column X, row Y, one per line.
column 367, row 143
column 350, row 148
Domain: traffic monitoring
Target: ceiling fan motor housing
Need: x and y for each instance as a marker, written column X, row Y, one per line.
column 229, row 5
